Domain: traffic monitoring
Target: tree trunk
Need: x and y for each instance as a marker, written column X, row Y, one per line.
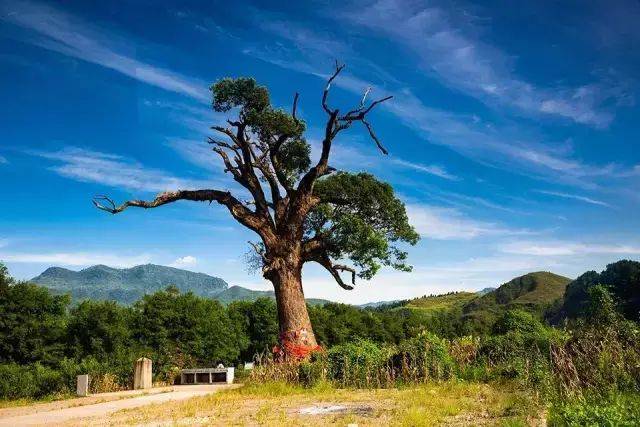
column 297, row 339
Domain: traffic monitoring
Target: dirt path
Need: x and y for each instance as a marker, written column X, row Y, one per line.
column 60, row 412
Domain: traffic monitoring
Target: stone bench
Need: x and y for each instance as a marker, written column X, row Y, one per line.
column 206, row 375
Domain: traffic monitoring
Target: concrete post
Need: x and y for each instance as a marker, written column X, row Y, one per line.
column 230, row 373
column 143, row 375
column 82, row 385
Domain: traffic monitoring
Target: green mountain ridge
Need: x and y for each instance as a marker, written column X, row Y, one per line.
column 128, row 285
column 533, row 291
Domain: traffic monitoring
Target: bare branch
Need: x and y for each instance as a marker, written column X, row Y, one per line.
column 324, row 261
column 360, row 113
column 325, row 94
column 96, row 201
column 295, row 106
column 259, row 250
column 349, row 269
column 364, row 97
column 362, row 102
column 315, row 249
column 374, row 103
column 374, row 137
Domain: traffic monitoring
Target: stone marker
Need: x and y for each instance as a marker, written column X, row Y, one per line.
column 82, row 388
column 230, row 372
column 143, row 375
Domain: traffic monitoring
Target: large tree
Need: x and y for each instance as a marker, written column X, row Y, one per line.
column 302, row 212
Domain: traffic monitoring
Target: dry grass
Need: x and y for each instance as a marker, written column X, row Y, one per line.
column 277, row 404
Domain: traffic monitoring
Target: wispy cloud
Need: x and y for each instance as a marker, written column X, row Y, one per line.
column 450, row 224
column 574, row 197
column 197, row 152
column 447, row 43
column 115, row 171
column 63, row 33
column 3, row 160
column 503, row 146
column 430, row 169
column 185, row 261
column 561, row 248
column 75, row 258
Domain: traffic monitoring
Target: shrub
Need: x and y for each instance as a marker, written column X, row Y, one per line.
column 614, row 410
column 16, row 381
column 359, row 364
column 423, row 358
column 30, row 381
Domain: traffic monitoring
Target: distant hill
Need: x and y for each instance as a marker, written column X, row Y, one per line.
column 378, row 304
column 442, row 302
column 128, row 284
column 238, row 293
column 533, row 292
column 485, row 291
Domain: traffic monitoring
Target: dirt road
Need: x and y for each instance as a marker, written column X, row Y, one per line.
column 52, row 413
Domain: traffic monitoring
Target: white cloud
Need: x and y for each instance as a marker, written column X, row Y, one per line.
column 199, row 153
column 64, row 34
column 505, row 146
column 430, row 169
column 447, row 43
column 3, row 160
column 562, row 248
column 574, row 197
column 449, row 224
column 75, row 258
column 115, row 171
column 185, row 261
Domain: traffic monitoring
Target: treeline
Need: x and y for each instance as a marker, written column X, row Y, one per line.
column 45, row 341
column 589, row 357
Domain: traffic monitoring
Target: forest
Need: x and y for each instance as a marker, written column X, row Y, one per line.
column 581, row 351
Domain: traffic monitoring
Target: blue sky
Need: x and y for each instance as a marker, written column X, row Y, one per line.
column 513, row 134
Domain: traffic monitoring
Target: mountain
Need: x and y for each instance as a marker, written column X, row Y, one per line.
column 238, row 293
column 129, row 284
column 485, row 290
column 533, row 292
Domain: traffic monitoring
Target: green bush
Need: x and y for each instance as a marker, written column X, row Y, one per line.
column 614, row 410
column 16, row 381
column 358, row 364
column 30, row 381
column 423, row 358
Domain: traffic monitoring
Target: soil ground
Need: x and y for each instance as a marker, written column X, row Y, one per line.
column 102, row 406
column 451, row 404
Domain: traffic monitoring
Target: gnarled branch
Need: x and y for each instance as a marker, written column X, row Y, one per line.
column 324, row 260
column 241, row 213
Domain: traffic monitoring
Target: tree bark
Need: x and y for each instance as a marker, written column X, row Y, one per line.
column 297, row 339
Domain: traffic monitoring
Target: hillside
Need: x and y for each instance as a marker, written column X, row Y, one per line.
column 238, row 293
column 129, row 284
column 441, row 302
column 533, row 292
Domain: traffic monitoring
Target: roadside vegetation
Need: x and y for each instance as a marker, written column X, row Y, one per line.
column 574, row 360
